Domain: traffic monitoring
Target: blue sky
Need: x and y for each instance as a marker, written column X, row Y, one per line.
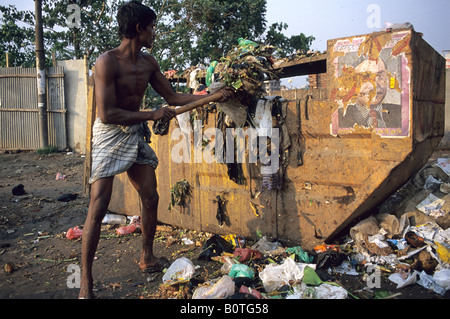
column 330, row 19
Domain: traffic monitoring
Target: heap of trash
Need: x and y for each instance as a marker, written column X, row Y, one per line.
column 409, row 245
column 406, row 242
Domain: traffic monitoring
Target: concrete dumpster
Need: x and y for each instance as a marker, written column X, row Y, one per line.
column 343, row 148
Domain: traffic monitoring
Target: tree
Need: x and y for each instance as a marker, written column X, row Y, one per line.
column 97, row 30
column 17, row 41
column 287, row 45
column 198, row 31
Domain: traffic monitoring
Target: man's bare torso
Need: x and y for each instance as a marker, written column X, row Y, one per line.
column 131, row 78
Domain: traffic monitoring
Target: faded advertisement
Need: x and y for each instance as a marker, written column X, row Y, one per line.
column 371, row 84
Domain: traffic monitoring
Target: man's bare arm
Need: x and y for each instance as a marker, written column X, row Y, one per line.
column 106, row 100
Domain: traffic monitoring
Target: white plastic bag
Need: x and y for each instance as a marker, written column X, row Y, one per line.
column 324, row 291
column 220, row 290
column 401, row 282
column 428, row 282
column 442, row 278
column 181, row 270
column 275, row 276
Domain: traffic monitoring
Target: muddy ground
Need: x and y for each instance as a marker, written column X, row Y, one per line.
column 35, row 254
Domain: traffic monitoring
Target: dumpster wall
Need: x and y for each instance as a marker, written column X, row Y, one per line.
column 340, row 155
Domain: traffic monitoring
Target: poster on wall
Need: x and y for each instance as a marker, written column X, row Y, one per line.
column 371, row 84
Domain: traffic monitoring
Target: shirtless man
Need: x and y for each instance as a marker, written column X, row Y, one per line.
column 121, row 78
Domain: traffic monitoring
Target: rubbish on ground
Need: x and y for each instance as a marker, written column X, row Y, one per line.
column 181, row 270
column 442, row 278
column 9, row 267
column 250, row 291
column 114, row 219
column 60, row 176
column 443, row 253
column 221, row 289
column 324, row 291
column 323, row 248
column 241, row 270
column 235, row 240
column 187, row 241
column 228, row 262
column 19, row 190
column 302, row 255
column 246, row 254
column 214, row 247
column 404, row 279
column 267, row 247
column 275, row 276
column 126, row 230
column 427, row 281
column 67, row 197
column 74, row 233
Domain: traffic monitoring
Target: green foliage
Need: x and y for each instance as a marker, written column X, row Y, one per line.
column 17, row 41
column 47, row 150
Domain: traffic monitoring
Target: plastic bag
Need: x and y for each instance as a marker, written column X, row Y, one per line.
column 300, row 253
column 442, row 278
column 401, row 282
column 276, row 276
column 220, row 290
column 74, row 233
column 267, row 247
column 241, row 270
column 324, row 291
column 245, row 254
column 427, row 281
column 214, row 247
column 181, row 270
column 227, row 264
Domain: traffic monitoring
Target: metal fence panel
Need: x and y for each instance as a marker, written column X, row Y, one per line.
column 19, row 115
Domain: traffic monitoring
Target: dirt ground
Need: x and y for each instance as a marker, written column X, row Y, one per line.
column 35, row 255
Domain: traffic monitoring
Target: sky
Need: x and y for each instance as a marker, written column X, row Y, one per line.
column 331, row 19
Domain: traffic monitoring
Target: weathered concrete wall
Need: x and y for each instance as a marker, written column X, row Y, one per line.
column 75, row 90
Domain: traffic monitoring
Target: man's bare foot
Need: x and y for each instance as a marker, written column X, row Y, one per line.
column 86, row 295
column 86, row 291
column 153, row 264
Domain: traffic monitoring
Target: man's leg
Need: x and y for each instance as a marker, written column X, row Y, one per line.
column 100, row 196
column 143, row 178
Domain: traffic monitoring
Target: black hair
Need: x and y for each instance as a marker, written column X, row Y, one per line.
column 132, row 13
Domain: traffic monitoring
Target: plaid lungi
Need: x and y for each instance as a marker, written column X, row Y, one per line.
column 115, row 148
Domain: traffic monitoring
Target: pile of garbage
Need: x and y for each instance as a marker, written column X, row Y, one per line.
column 268, row 270
column 408, row 246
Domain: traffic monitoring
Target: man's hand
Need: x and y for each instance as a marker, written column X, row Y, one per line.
column 227, row 94
column 165, row 114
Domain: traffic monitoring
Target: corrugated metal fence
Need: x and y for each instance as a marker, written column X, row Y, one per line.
column 19, row 115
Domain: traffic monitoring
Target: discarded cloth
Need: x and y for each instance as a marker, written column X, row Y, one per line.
column 115, row 148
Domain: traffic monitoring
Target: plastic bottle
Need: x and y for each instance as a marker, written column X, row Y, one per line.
column 114, row 219
column 74, row 233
